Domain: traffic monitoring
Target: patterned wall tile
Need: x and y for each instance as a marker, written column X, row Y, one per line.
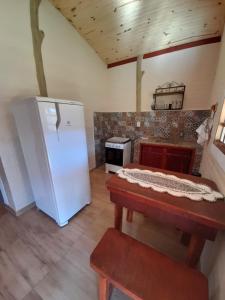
column 168, row 125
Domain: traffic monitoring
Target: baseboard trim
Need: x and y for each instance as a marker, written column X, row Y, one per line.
column 20, row 211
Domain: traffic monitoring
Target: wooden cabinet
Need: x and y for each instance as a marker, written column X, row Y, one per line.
column 152, row 156
column 173, row 158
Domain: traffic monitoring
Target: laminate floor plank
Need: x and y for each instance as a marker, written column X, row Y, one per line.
column 12, row 283
column 67, row 281
column 32, row 296
column 26, row 261
column 10, row 229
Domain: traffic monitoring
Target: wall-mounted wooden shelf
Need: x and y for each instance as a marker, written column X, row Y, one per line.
column 169, row 98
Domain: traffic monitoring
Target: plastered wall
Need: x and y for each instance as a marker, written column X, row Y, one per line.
column 195, row 67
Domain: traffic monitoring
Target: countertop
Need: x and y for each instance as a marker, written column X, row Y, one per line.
column 178, row 142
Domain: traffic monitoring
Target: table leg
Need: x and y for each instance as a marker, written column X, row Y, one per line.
column 194, row 250
column 103, row 288
column 129, row 215
column 118, row 217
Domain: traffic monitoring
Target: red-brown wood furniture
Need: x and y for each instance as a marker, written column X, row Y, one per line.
column 169, row 157
column 200, row 219
column 143, row 273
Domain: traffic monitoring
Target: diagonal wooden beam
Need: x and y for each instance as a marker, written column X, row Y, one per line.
column 212, row 40
column 37, row 37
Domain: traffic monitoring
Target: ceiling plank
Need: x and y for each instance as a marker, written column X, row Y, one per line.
column 122, row 29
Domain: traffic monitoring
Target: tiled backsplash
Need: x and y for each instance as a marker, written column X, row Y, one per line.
column 168, row 125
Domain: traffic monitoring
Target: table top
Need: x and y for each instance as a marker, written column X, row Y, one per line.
column 208, row 213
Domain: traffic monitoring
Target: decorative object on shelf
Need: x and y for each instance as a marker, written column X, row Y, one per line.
column 165, row 183
column 169, row 96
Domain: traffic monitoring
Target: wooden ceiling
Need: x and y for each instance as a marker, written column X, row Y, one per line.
column 120, row 29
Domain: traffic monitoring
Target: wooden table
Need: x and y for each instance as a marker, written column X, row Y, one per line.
column 201, row 219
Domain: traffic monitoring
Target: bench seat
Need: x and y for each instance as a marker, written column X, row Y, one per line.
column 142, row 272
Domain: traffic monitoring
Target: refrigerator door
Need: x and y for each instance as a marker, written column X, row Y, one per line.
column 65, row 139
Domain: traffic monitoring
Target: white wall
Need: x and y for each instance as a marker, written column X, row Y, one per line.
column 73, row 71
column 213, row 167
column 72, row 68
column 195, row 67
column 17, row 79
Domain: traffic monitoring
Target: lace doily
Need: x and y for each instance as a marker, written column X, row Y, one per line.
column 170, row 184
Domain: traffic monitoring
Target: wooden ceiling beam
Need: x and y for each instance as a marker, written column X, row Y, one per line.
column 139, row 75
column 37, row 38
column 201, row 42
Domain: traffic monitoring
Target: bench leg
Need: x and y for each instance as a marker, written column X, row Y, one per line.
column 103, row 288
column 118, row 217
column 194, row 250
column 129, row 215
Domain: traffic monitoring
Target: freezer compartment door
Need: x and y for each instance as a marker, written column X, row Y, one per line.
column 65, row 139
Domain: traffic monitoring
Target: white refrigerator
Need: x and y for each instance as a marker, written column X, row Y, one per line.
column 53, row 140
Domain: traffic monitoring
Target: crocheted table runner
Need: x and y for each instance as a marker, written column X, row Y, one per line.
column 170, row 184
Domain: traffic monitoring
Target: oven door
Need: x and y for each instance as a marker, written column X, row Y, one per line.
column 114, row 156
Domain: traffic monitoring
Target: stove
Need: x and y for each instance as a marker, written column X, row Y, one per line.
column 117, row 153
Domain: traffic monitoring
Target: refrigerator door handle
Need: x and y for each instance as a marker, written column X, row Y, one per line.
column 58, row 116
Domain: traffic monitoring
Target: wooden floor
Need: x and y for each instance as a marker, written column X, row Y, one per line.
column 38, row 260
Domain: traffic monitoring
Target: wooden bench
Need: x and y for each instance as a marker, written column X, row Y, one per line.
column 142, row 272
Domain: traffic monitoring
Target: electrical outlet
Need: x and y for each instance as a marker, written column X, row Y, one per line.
column 138, row 124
